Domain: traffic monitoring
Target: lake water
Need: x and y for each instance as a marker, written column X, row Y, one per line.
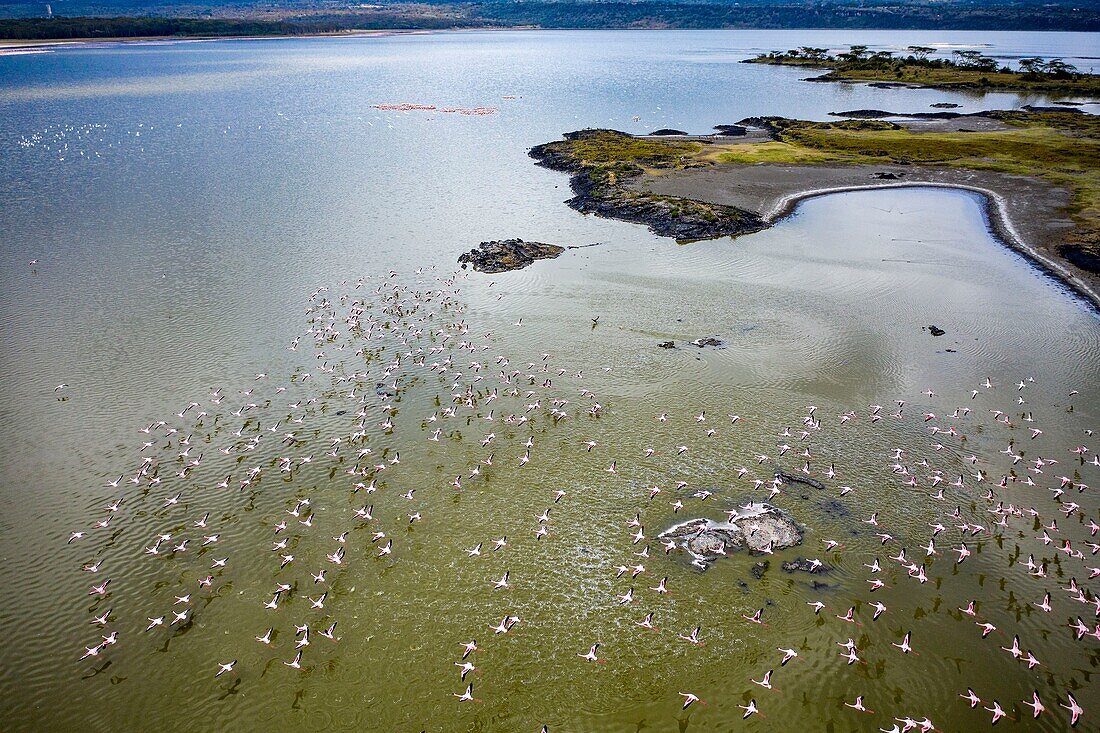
column 183, row 201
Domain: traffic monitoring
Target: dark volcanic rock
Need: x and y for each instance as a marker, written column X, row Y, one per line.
column 667, row 131
column 667, row 345
column 945, row 105
column 1083, row 259
column 936, row 331
column 877, row 114
column 731, row 130
column 595, row 192
column 864, row 114
column 1040, row 108
column 886, row 176
column 793, row 478
column 507, row 254
column 666, row 217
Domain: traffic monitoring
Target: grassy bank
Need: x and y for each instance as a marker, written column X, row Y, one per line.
column 969, row 70
column 1061, row 147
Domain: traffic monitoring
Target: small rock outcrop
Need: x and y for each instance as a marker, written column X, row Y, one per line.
column 666, row 132
column 757, row 528
column 507, row 254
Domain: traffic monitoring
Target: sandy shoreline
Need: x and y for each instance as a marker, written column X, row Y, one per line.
column 1023, row 212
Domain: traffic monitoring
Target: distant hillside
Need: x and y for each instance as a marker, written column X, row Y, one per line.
column 100, row 18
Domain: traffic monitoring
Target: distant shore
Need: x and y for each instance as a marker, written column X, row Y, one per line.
column 116, row 19
column 10, row 45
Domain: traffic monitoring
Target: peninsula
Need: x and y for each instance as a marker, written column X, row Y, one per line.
column 1039, row 173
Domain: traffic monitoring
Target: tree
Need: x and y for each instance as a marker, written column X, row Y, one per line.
column 1032, row 66
column 966, row 58
column 1059, row 69
column 855, row 53
column 974, row 60
column 921, row 52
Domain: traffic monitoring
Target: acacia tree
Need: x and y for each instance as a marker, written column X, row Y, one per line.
column 855, row 53
column 975, row 60
column 921, row 52
column 1033, row 66
column 1059, row 69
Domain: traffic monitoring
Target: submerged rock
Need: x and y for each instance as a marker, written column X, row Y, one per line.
column 757, row 528
column 793, row 478
column 802, row 565
column 758, row 569
column 507, row 254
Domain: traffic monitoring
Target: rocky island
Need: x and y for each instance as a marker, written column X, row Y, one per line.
column 1037, row 169
column 507, row 254
column 757, row 528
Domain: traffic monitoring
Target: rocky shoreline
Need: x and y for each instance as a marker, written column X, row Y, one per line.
column 606, row 191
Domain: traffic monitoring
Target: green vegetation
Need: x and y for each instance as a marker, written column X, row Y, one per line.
column 1061, row 147
column 966, row 69
column 39, row 29
column 611, row 157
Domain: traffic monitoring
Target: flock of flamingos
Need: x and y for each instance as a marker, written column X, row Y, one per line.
column 379, row 338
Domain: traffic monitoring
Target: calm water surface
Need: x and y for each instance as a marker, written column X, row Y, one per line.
column 184, row 200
